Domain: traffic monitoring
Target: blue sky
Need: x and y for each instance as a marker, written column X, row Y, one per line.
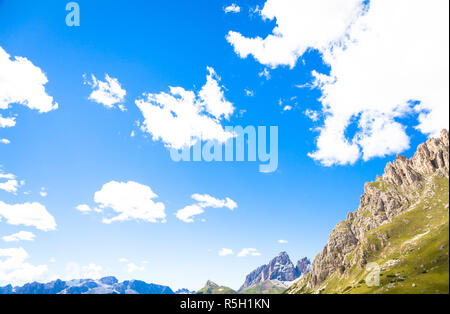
column 74, row 150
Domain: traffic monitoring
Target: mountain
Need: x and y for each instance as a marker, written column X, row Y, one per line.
column 107, row 285
column 276, row 273
column 213, row 288
column 184, row 291
column 267, row 287
column 397, row 240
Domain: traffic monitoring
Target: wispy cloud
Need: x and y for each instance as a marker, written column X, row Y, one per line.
column 109, row 93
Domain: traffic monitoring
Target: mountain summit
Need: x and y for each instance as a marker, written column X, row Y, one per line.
column 280, row 269
column 397, row 240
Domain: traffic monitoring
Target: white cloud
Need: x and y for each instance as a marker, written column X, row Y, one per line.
column 109, row 93
column 248, row 252
column 186, row 214
column 301, row 24
column 130, row 200
column 283, row 241
column 28, row 214
column 249, row 93
column 8, row 182
column 83, row 208
column 398, row 53
column 265, row 73
column 212, row 97
column 312, row 114
column 233, row 8
column 23, row 83
column 5, row 141
column 181, row 118
column 14, row 269
column 132, row 267
column 203, row 201
column 225, row 252
column 90, row 271
column 388, row 61
column 7, row 122
column 43, row 192
column 20, row 236
column 287, row 108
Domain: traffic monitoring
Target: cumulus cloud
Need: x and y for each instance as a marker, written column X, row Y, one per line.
column 23, row 83
column 7, row 122
column 5, row 141
column 395, row 65
column 312, row 114
column 8, row 182
column 300, row 24
column 131, row 267
column 43, row 192
column 108, row 93
column 20, row 236
column 205, row 201
column 225, row 252
column 388, row 60
column 130, row 200
column 188, row 213
column 233, row 8
column 15, row 270
column 90, row 271
column 249, row 252
column 181, row 118
column 27, row 214
column 283, row 241
column 83, row 208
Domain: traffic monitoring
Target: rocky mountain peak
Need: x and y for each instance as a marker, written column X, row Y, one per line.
column 303, row 266
column 279, row 268
column 402, row 185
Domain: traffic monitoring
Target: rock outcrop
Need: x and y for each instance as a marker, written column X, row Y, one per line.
column 401, row 186
column 278, row 269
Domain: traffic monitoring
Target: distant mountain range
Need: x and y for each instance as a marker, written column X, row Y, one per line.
column 107, row 285
column 280, row 270
column 273, row 278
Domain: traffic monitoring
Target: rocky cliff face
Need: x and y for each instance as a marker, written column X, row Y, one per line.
column 280, row 269
column 303, row 266
column 405, row 184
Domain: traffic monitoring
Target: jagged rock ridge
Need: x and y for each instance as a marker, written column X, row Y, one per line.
column 404, row 184
column 278, row 269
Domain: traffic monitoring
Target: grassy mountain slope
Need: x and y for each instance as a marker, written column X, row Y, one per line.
column 416, row 257
column 400, row 231
column 266, row 287
column 212, row 288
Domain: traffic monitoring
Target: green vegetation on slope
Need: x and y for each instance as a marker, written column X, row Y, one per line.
column 266, row 287
column 212, row 288
column 411, row 250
